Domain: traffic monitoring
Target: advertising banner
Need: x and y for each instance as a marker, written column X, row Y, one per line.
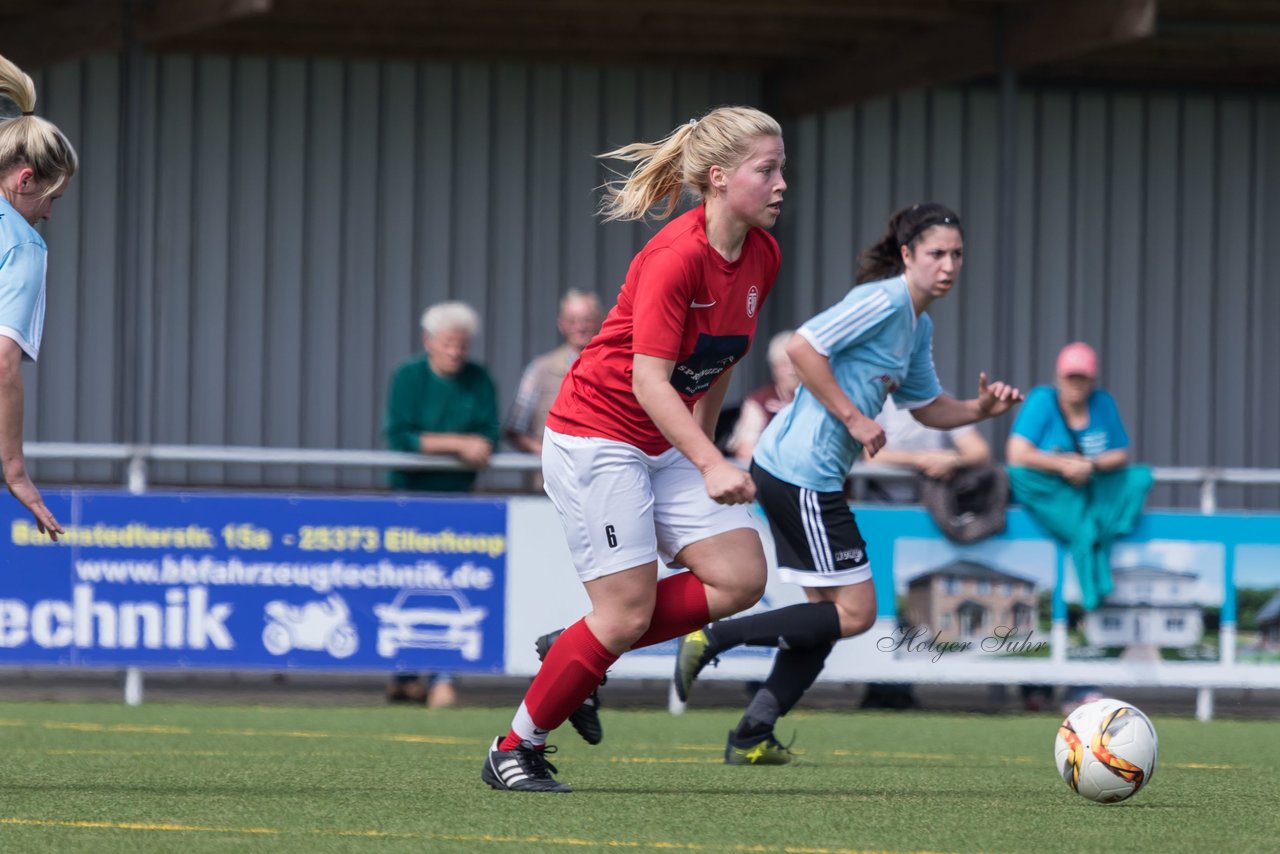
column 256, row 581
column 1177, row 581
column 377, row 584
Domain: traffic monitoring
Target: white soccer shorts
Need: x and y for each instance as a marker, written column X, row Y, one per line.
column 622, row 508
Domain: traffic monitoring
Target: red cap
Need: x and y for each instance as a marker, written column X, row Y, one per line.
column 1078, row 359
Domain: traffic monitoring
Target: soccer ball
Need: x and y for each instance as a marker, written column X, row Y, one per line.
column 1106, row 750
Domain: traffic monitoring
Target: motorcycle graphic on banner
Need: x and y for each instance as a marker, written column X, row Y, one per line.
column 319, row 625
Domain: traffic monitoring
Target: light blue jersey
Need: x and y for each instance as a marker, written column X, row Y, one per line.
column 23, row 264
column 876, row 346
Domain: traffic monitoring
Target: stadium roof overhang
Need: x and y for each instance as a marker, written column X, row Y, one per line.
column 813, row 54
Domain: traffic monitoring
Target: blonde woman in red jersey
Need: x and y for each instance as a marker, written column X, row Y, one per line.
column 627, row 454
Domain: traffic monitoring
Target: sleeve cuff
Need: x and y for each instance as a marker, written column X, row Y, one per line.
column 17, row 337
column 813, row 341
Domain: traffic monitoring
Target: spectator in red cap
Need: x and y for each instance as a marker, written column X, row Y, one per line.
column 1069, row 464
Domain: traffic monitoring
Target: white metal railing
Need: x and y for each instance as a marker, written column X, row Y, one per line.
column 138, row 457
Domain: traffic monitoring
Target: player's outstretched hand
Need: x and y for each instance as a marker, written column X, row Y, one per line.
column 728, row 484
column 25, row 491
column 996, row 398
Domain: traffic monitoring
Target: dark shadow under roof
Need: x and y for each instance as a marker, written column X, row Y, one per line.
column 812, row 54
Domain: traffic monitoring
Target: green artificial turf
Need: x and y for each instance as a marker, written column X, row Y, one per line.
column 186, row 778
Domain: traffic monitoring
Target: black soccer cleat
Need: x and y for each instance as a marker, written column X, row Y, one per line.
column 523, row 769
column 585, row 718
column 766, row 751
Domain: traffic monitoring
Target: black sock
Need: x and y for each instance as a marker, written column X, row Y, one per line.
column 794, row 671
column 793, row 627
column 757, row 722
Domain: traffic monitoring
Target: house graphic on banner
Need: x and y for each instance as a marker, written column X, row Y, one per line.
column 1149, row 607
column 966, row 600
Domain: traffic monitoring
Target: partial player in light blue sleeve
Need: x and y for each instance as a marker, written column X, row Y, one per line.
column 22, row 282
column 36, row 165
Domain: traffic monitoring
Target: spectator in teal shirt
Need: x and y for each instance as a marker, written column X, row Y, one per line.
column 441, row 403
column 1069, row 465
column 1071, row 429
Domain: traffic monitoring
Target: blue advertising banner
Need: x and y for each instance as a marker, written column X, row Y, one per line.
column 256, row 581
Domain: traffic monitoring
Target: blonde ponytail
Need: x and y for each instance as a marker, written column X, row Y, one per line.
column 29, row 140
column 680, row 162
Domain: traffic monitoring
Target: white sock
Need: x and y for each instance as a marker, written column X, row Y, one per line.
column 523, row 726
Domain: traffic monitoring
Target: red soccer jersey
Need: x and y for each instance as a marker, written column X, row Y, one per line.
column 681, row 301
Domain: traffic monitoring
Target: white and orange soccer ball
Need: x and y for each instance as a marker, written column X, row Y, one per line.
column 1106, row 750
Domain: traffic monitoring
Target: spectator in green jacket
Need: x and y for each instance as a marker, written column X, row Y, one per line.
column 441, row 403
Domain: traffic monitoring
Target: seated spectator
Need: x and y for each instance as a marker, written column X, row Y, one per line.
column 1069, row 465
column 759, row 407
column 440, row 403
column 578, row 322
column 910, row 445
column 960, row 487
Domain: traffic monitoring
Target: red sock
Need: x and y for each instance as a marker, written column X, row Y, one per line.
column 573, row 668
column 680, row 608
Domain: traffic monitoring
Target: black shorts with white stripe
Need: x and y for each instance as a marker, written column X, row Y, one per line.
column 815, row 533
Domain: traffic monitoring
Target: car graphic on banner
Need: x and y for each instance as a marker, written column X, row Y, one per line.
column 430, row 619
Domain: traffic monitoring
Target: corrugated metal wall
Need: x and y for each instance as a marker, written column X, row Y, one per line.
column 294, row 217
